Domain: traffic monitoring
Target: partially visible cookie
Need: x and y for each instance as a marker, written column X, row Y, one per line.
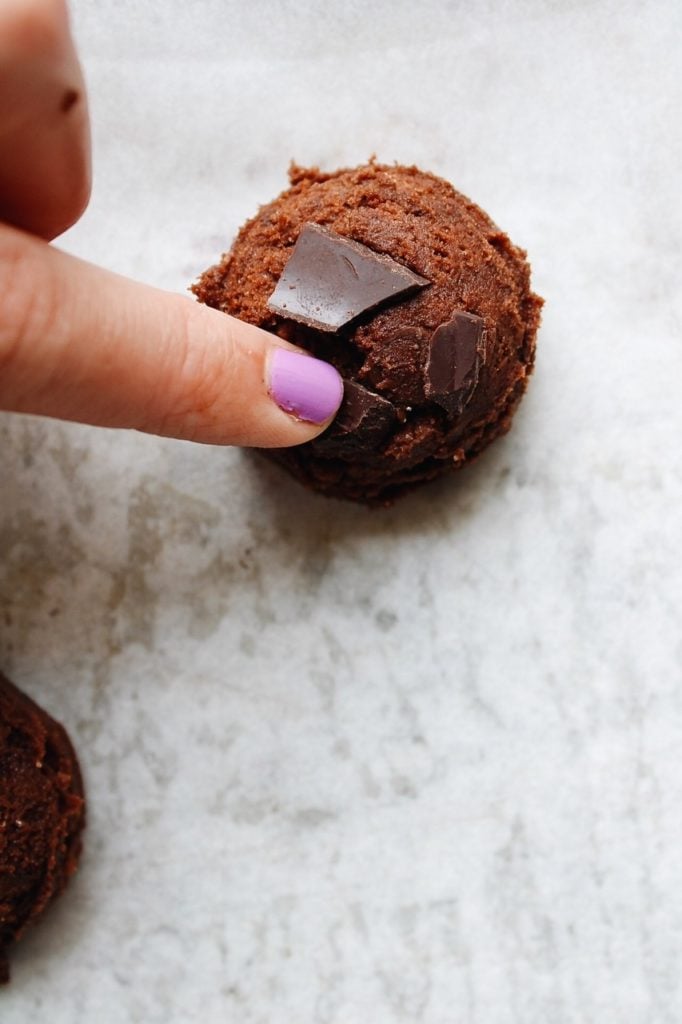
column 417, row 298
column 42, row 814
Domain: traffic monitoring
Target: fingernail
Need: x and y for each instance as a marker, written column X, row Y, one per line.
column 304, row 386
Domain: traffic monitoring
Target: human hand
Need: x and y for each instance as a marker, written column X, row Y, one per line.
column 80, row 343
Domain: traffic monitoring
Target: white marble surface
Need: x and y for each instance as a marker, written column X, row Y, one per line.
column 420, row 765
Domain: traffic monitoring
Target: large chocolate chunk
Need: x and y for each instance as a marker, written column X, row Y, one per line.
column 456, row 353
column 329, row 281
column 363, row 421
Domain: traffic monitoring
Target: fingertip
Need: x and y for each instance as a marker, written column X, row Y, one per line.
column 304, row 387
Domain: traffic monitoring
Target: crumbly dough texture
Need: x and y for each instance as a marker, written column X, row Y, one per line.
column 42, row 814
column 422, row 222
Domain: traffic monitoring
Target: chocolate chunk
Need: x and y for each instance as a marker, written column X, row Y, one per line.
column 363, row 420
column 363, row 410
column 456, row 352
column 329, row 281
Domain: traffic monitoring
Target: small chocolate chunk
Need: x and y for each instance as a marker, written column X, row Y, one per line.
column 363, row 410
column 330, row 280
column 456, row 352
column 364, row 419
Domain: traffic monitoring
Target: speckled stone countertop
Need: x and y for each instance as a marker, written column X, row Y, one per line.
column 420, row 765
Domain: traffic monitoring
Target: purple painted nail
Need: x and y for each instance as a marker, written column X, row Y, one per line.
column 304, row 386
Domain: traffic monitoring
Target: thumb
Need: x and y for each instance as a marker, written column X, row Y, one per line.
column 80, row 343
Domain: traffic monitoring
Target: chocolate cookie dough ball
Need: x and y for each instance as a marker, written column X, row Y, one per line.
column 42, row 814
column 416, row 297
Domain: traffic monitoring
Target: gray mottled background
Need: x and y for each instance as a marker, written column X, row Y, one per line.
column 421, row 765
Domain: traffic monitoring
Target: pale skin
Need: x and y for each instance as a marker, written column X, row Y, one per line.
column 76, row 341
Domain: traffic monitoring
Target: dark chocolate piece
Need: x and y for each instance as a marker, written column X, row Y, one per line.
column 364, row 418
column 456, row 352
column 330, row 280
column 363, row 410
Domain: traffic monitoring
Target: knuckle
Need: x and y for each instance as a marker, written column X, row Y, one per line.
column 200, row 366
column 24, row 310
